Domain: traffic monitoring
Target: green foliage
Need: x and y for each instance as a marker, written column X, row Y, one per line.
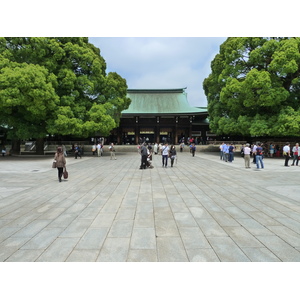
column 254, row 88
column 57, row 86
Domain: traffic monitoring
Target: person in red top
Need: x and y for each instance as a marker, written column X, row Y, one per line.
column 259, row 156
column 295, row 154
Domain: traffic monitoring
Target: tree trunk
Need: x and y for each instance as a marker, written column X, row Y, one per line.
column 39, row 146
column 15, row 147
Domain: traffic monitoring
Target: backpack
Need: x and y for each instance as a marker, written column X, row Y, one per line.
column 258, row 151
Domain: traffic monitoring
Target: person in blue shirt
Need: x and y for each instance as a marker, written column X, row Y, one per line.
column 259, row 156
column 193, row 149
column 225, row 152
column 221, row 151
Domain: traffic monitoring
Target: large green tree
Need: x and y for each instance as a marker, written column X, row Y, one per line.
column 57, row 86
column 254, row 87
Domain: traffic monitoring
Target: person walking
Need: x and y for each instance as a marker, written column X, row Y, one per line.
column 172, row 154
column 247, row 153
column 193, row 149
column 295, row 151
column 77, row 151
column 165, row 154
column 60, row 162
column 259, row 156
column 112, row 151
column 287, row 154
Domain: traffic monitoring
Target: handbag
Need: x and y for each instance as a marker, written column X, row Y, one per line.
column 65, row 174
column 54, row 164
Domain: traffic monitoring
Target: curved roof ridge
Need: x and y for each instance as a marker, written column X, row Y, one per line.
column 160, row 101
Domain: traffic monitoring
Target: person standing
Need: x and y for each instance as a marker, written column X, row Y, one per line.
column 247, row 152
column 144, row 155
column 225, row 152
column 295, row 151
column 259, row 156
column 94, row 149
column 60, row 162
column 242, row 150
column 230, row 150
column 64, row 150
column 112, row 151
column 3, row 151
column 99, row 149
column 181, row 146
column 165, row 154
column 253, row 153
column 155, row 148
column 221, row 151
column 272, row 150
column 172, row 154
column 287, row 154
column 193, row 149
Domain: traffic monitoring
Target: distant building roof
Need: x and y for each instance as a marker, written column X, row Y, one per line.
column 160, row 102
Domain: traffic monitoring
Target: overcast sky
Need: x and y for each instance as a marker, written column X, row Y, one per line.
column 162, row 62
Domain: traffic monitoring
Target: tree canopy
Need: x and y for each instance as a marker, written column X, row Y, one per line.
column 57, row 86
column 254, row 87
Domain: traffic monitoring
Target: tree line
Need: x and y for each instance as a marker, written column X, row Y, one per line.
column 254, row 87
column 57, row 86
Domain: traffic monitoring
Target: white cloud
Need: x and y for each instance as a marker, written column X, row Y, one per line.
column 161, row 62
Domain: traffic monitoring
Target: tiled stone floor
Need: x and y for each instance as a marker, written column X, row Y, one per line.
column 201, row 210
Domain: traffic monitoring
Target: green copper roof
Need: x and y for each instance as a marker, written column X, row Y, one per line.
column 156, row 102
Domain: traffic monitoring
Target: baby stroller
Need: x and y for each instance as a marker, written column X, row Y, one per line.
column 149, row 160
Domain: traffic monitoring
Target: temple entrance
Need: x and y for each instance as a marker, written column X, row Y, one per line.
column 147, row 136
column 166, row 137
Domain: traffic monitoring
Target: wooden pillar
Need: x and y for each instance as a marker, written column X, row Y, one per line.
column 119, row 135
column 136, row 134
column 157, row 129
column 190, row 127
column 176, row 131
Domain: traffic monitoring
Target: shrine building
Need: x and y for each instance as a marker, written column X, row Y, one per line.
column 159, row 115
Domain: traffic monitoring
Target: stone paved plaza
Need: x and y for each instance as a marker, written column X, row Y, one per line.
column 201, row 210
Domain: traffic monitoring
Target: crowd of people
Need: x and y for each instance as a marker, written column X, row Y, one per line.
column 167, row 152
column 258, row 151
column 255, row 151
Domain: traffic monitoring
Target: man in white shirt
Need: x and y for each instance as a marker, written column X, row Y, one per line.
column 247, row 152
column 165, row 154
column 287, row 154
column 99, row 149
